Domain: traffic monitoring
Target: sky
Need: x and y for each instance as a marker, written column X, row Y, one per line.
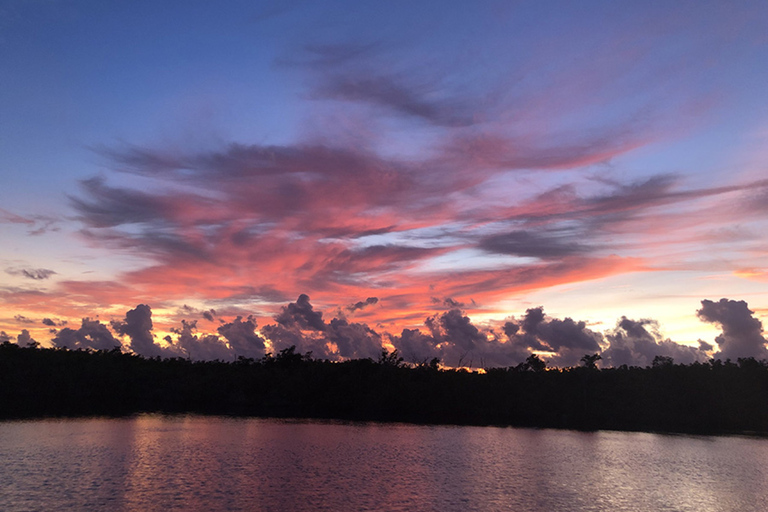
column 473, row 181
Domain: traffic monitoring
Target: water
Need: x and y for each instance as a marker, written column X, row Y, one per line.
column 204, row 463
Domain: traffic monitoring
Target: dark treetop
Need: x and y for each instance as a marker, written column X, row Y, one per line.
column 713, row 398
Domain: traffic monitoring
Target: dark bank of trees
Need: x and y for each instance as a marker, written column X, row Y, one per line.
column 712, row 397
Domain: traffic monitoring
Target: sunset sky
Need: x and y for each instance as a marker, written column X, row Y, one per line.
column 453, row 167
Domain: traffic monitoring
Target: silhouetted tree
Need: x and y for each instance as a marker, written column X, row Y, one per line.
column 590, row 360
column 388, row 358
column 712, row 397
column 662, row 361
column 534, row 363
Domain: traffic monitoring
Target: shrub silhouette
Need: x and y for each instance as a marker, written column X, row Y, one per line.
column 712, row 397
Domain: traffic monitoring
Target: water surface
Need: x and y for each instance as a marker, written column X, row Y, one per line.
column 210, row 463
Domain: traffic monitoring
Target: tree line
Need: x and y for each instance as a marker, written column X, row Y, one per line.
column 714, row 397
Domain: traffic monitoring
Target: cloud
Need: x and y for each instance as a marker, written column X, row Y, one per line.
column 38, row 274
column 302, row 315
column 638, row 342
column 111, row 206
column 456, row 327
column 25, row 339
column 54, row 323
column 546, row 245
column 351, row 73
column 38, row 224
column 242, row 337
column 448, row 302
column 456, row 341
column 354, row 340
column 568, row 339
column 92, row 334
column 282, row 337
column 23, row 320
column 451, row 337
column 395, row 96
column 415, row 346
column 742, row 332
column 206, row 347
column 352, row 215
column 362, row 304
column 300, row 325
column 137, row 325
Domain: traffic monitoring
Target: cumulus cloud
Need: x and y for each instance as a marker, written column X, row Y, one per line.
column 206, row 347
column 638, row 342
column 742, row 334
column 299, row 324
column 282, row 337
column 568, row 339
column 25, row 339
column 301, row 314
column 451, row 337
column 455, row 340
column 242, row 337
column 137, row 325
column 92, row 334
column 353, row 340
column 415, row 346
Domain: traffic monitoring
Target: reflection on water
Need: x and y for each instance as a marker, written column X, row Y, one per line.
column 204, row 463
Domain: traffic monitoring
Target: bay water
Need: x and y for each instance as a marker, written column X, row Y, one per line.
column 192, row 463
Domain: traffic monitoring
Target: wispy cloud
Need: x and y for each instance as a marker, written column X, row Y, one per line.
column 37, row 274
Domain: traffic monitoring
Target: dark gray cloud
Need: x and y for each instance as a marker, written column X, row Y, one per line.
column 54, row 323
column 354, row 340
column 137, row 325
column 451, row 337
column 206, row 347
column 742, row 334
column 459, row 330
column 415, row 346
column 110, row 207
column 300, row 325
column 567, row 339
column 362, row 304
column 23, row 320
column 546, row 245
column 638, row 342
column 301, row 314
column 24, row 339
column 242, row 337
column 283, row 337
column 455, row 340
column 38, row 274
column 91, row 334
column 448, row 302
